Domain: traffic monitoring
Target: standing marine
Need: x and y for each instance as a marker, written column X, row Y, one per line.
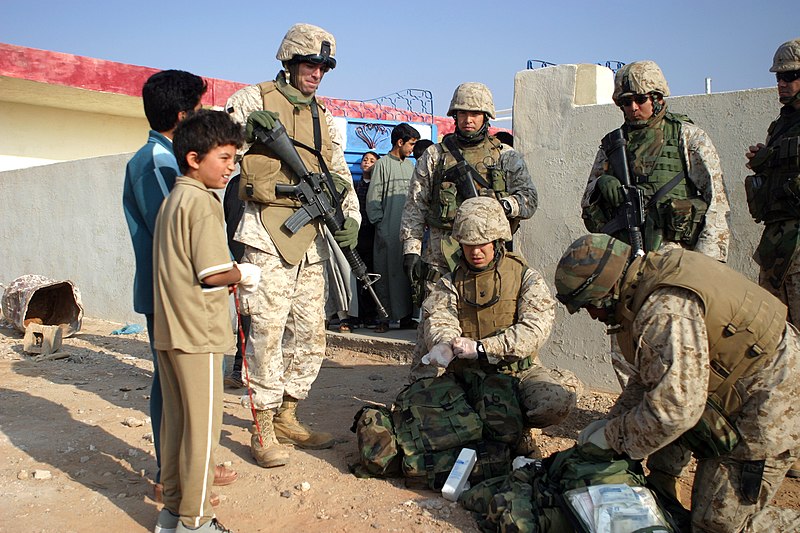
column 671, row 161
column 287, row 309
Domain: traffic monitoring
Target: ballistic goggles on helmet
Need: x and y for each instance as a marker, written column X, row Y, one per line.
column 322, row 58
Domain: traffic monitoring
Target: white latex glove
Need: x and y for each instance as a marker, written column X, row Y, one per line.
column 595, row 433
column 251, row 275
column 440, row 355
column 465, row 348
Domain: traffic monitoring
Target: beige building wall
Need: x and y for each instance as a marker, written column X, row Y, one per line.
column 559, row 140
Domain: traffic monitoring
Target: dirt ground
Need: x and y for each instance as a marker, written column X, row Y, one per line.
column 78, row 447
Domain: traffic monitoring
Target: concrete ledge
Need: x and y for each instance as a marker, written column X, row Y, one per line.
column 397, row 345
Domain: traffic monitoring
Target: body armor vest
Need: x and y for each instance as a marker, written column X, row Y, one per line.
column 487, row 300
column 778, row 194
column 484, row 157
column 261, row 170
column 487, row 306
column 656, row 158
column 744, row 323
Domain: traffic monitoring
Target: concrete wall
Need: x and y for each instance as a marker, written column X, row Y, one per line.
column 65, row 220
column 559, row 141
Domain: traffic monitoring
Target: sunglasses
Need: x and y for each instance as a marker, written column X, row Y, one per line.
column 788, row 77
column 640, row 99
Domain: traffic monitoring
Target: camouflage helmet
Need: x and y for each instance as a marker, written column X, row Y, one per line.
column 480, row 220
column 472, row 96
column 308, row 43
column 589, row 269
column 639, row 77
column 787, row 57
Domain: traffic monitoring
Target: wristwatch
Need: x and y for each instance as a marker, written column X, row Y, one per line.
column 481, row 351
column 506, row 206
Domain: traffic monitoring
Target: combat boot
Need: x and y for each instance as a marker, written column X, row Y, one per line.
column 289, row 430
column 269, row 454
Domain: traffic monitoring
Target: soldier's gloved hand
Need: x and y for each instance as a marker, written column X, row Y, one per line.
column 440, row 355
column 251, row 275
column 347, row 237
column 265, row 119
column 342, row 184
column 412, row 264
column 464, row 348
column 611, row 190
column 595, row 433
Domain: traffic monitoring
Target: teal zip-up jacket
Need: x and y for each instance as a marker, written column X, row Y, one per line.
column 149, row 177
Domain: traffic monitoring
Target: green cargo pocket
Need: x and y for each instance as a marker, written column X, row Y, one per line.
column 448, row 201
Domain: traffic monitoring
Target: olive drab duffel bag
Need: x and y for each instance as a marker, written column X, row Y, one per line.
column 431, row 421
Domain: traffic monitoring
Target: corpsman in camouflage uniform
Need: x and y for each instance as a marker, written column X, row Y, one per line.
column 287, row 310
column 715, row 364
column 673, row 163
column 773, row 192
column 493, row 312
column 467, row 159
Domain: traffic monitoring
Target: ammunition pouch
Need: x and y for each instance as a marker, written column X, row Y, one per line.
column 683, row 220
column 261, row 172
column 757, row 196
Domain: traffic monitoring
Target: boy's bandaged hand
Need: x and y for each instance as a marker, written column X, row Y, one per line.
column 251, row 275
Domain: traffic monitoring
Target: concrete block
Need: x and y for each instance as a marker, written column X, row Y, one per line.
column 41, row 340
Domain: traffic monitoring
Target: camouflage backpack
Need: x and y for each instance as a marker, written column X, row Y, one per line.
column 432, row 420
column 530, row 499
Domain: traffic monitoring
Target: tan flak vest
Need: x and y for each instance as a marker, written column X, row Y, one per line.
column 263, row 170
column 487, row 301
column 744, row 322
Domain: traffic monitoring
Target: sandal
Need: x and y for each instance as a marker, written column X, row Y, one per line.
column 344, row 328
column 383, row 327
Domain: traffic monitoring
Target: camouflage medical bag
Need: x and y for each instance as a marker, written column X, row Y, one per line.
column 431, row 421
column 530, row 499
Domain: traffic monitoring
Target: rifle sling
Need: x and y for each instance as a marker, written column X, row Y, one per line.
column 459, row 157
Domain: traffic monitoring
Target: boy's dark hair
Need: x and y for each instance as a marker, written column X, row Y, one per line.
column 203, row 131
column 404, row 132
column 375, row 154
column 167, row 93
column 505, row 138
column 421, row 146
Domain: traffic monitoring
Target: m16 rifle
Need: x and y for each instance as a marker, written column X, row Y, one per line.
column 631, row 214
column 318, row 198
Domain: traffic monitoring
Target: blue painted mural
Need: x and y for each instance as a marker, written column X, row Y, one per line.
column 363, row 135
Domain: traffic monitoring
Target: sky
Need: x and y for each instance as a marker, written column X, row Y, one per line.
column 384, row 47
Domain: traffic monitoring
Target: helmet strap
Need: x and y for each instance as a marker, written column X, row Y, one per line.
column 475, row 138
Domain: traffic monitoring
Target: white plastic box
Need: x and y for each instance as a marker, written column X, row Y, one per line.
column 457, row 480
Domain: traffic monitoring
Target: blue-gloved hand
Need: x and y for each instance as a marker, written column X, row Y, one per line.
column 265, row 119
column 347, row 237
column 611, row 190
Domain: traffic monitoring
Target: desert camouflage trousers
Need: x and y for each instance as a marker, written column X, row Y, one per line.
column 718, row 505
column 789, row 294
column 287, row 328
